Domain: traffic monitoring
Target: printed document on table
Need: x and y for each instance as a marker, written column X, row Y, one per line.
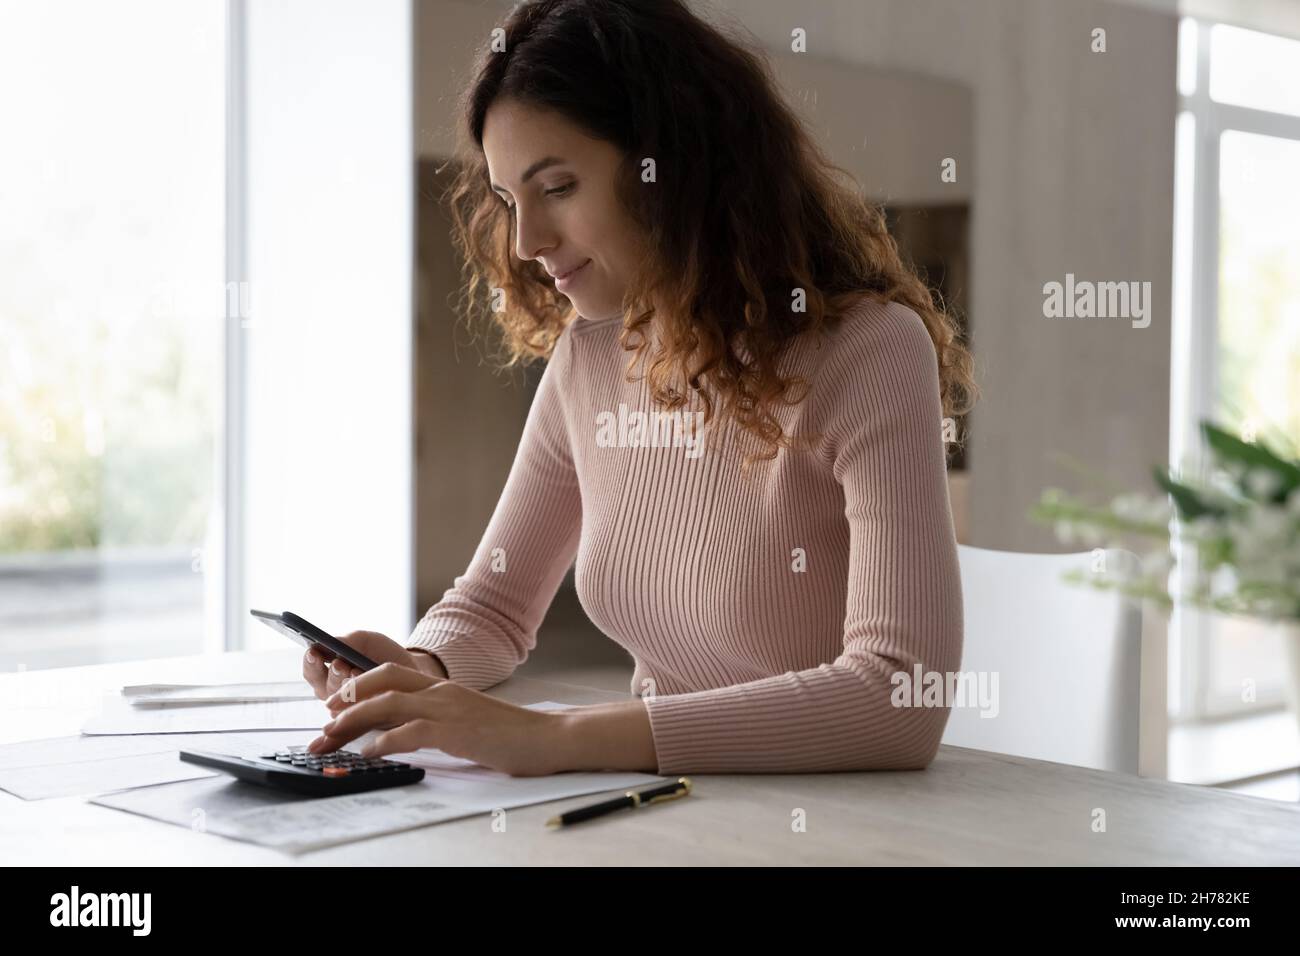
column 452, row 788
column 119, row 716
column 78, row 766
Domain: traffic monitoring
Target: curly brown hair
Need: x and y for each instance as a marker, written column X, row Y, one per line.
column 756, row 212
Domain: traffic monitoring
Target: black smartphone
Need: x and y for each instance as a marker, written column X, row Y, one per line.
column 309, row 635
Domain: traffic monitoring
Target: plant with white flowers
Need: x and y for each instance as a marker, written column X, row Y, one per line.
column 1238, row 526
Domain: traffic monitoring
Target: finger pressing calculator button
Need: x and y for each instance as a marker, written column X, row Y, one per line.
column 335, row 771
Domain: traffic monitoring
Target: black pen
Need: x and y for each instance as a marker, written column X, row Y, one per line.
column 632, row 798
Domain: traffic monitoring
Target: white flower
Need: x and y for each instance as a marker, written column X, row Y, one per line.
column 1223, row 583
column 1263, row 483
column 1230, row 470
column 1293, row 501
column 1159, row 510
column 1141, row 508
column 1157, row 563
column 1065, row 531
column 1127, row 506
column 1202, row 527
column 1270, row 525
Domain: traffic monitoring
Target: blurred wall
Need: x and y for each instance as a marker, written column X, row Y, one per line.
column 468, row 419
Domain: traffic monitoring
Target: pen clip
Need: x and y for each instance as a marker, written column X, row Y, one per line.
column 685, row 783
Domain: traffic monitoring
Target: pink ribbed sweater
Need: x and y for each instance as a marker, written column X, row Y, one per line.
column 765, row 614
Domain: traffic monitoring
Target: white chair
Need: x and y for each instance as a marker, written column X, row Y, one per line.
column 1067, row 660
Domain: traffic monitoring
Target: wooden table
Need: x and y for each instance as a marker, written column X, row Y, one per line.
column 968, row 807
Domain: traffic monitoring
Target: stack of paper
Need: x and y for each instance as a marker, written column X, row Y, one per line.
column 120, row 716
column 77, row 766
column 189, row 695
column 135, row 740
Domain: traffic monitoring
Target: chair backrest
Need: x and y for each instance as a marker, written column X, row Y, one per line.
column 1066, row 658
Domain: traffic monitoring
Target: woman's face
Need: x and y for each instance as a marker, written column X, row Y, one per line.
column 560, row 184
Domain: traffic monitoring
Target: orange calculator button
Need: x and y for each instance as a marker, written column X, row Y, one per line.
column 335, row 771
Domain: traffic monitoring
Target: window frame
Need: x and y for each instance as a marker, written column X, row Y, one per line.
column 230, row 497
column 1195, row 337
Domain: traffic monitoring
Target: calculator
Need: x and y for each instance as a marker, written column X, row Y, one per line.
column 314, row 775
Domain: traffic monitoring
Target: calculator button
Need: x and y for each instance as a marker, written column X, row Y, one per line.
column 335, row 771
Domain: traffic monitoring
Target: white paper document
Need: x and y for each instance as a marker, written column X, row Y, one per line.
column 287, row 822
column 98, row 776
column 189, row 695
column 77, row 766
column 452, row 788
column 119, row 716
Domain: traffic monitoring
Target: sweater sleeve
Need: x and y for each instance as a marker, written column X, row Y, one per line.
column 486, row 623
column 881, row 420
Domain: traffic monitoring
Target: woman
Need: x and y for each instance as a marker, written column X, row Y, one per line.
column 634, row 184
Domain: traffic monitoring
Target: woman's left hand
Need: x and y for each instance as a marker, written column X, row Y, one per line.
column 417, row 710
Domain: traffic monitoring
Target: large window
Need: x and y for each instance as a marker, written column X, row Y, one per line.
column 205, row 402
column 112, row 251
column 1237, row 306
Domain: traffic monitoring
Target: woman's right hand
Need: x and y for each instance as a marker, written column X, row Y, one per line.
column 326, row 674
